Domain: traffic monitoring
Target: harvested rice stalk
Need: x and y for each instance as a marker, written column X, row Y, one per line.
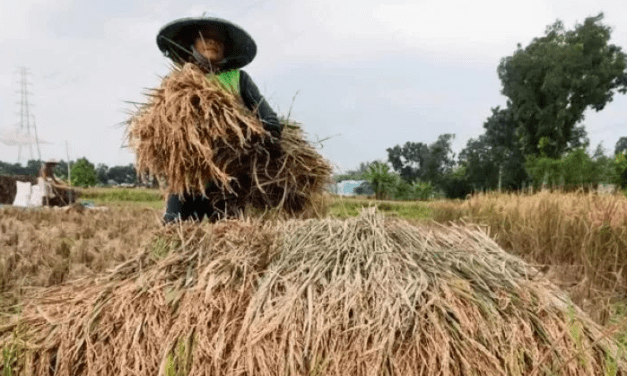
column 187, row 128
column 292, row 181
column 364, row 296
column 194, row 133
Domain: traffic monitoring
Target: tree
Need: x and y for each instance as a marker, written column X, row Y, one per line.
column 603, row 166
column 621, row 146
column 500, row 132
column 417, row 190
column 381, row 179
column 492, row 161
column 123, row 174
column 620, row 162
column 357, row 174
column 620, row 167
column 551, row 82
column 61, row 170
column 416, row 161
column 32, row 167
column 361, row 170
column 440, row 159
column 544, row 171
column 457, row 184
column 102, row 174
column 409, row 160
column 12, row 169
column 578, row 170
column 481, row 169
column 83, row 173
column 573, row 170
column 504, row 150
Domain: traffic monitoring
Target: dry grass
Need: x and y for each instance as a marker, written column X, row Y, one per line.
column 193, row 133
column 580, row 240
column 45, row 246
column 364, row 296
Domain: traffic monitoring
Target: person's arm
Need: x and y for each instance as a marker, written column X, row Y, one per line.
column 255, row 102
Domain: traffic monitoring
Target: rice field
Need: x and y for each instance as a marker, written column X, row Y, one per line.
column 116, row 261
column 46, row 246
column 579, row 240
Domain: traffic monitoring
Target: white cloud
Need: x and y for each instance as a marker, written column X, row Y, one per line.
column 81, row 77
column 326, row 30
column 20, row 19
column 450, row 26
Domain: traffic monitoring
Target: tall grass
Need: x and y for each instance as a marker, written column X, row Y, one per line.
column 578, row 239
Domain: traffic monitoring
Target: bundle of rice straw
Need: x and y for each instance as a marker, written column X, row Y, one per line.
column 193, row 132
column 365, row 296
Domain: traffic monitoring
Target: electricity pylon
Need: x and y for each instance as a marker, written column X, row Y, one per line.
column 27, row 121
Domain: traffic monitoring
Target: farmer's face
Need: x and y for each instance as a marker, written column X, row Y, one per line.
column 210, row 47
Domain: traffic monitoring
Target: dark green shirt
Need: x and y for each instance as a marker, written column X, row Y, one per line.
column 240, row 82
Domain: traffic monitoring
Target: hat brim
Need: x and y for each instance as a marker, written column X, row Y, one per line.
column 176, row 38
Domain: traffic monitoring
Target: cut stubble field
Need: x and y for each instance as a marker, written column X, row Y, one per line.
column 45, row 247
column 578, row 241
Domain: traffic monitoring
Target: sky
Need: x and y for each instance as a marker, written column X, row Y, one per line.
column 360, row 75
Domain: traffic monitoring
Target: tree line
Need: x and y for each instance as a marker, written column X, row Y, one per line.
column 538, row 138
column 83, row 172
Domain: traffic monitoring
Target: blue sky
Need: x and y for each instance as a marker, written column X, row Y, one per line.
column 367, row 75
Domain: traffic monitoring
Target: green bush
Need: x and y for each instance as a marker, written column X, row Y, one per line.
column 575, row 169
column 620, row 170
column 544, row 171
column 423, row 190
column 381, row 179
column 402, row 190
column 83, row 173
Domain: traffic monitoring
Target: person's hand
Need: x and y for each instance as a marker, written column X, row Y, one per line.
column 272, row 143
column 276, row 133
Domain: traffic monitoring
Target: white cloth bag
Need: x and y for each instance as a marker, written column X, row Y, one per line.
column 22, row 197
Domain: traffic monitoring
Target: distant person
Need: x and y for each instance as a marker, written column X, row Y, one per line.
column 219, row 48
column 47, row 171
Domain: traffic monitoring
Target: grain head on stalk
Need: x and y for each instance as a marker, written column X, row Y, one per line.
column 195, row 132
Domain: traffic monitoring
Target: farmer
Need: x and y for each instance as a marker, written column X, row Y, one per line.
column 219, row 48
